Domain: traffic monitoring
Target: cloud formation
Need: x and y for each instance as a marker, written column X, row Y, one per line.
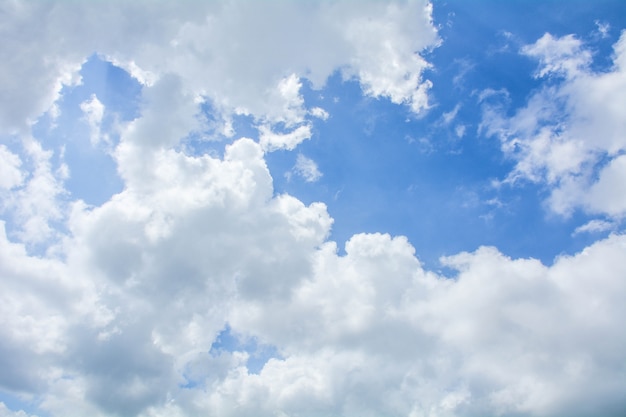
column 306, row 168
column 117, row 309
column 377, row 43
column 570, row 134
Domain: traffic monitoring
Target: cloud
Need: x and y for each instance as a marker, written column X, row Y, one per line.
column 188, row 41
column 120, row 312
column 35, row 201
column 603, row 28
column 390, row 69
column 564, row 55
column 307, row 169
column 319, row 112
column 504, row 336
column 271, row 141
column 569, row 135
column 32, row 78
column 10, row 173
column 94, row 112
column 449, row 117
column 124, row 321
column 594, row 226
column 607, row 194
column 460, row 130
column 121, row 317
column 132, row 307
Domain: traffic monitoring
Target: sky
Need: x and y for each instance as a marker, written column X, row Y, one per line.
column 312, row 208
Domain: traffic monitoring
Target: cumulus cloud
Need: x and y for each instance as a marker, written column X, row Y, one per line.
column 120, row 315
column 150, row 278
column 390, row 69
column 570, row 135
column 377, row 43
column 133, row 310
column 35, row 199
column 502, row 337
column 124, row 320
column 10, row 173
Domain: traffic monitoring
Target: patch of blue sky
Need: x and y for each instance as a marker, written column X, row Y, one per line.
column 114, row 87
column 15, row 403
column 244, row 126
column 259, row 353
column 430, row 177
column 93, row 173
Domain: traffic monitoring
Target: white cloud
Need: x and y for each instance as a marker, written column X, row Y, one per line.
column 35, row 202
column 460, row 130
column 378, row 43
column 271, row 140
column 448, row 117
column 94, row 112
column 608, row 194
column 559, row 55
column 37, row 304
column 567, row 131
column 603, row 28
column 307, row 169
column 391, row 68
column 126, row 317
column 133, row 308
column 595, row 226
column 10, row 173
column 505, row 336
column 119, row 316
column 319, row 112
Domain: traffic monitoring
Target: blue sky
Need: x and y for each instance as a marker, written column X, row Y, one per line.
column 387, row 170
column 395, row 208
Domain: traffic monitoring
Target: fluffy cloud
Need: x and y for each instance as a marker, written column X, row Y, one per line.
column 377, row 43
column 121, row 313
column 504, row 335
column 570, row 135
column 123, row 321
column 10, row 173
column 386, row 337
column 122, row 316
column 150, row 278
column 272, row 141
column 390, row 69
column 35, row 198
column 94, row 112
